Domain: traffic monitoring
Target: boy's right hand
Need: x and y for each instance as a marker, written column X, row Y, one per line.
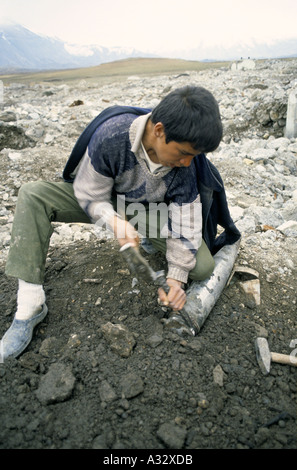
column 125, row 232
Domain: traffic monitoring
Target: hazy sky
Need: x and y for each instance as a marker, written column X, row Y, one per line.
column 155, row 25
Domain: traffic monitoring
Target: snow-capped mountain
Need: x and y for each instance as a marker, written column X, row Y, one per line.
column 243, row 49
column 22, row 49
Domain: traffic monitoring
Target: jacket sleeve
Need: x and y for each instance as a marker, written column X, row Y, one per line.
column 93, row 192
column 184, row 236
column 99, row 167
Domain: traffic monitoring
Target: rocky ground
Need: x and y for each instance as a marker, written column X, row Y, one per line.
column 103, row 371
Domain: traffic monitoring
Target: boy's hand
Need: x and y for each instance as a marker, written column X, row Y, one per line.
column 176, row 297
column 124, row 232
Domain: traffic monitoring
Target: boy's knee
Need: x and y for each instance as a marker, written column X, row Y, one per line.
column 28, row 190
column 204, row 269
column 207, row 270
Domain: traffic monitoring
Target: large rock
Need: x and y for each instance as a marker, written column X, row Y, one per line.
column 132, row 385
column 120, row 339
column 291, row 124
column 172, row 435
column 14, row 137
column 246, row 64
column 57, row 385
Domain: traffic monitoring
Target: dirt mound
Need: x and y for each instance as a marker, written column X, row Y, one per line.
column 103, row 371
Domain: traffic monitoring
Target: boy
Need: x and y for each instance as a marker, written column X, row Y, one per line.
column 131, row 161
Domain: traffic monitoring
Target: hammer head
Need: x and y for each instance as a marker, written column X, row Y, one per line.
column 263, row 355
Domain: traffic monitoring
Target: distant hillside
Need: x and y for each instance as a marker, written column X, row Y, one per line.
column 116, row 70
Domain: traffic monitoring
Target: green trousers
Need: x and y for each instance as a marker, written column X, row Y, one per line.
column 40, row 203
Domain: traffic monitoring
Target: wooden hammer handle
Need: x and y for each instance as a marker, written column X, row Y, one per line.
column 283, row 359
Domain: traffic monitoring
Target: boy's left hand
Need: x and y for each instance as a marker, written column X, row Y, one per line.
column 176, row 297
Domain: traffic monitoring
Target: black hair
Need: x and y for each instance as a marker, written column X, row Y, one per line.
column 190, row 114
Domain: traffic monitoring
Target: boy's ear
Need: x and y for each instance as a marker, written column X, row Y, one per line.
column 159, row 129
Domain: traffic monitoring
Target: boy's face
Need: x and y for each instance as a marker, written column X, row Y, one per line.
column 173, row 154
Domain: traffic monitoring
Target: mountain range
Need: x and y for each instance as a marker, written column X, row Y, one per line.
column 21, row 49
column 245, row 49
column 24, row 50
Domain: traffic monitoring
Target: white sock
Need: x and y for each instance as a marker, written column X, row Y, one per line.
column 30, row 299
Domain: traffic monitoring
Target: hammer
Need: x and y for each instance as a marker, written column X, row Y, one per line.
column 265, row 357
column 141, row 268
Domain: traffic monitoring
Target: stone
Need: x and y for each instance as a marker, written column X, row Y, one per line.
column 30, row 360
column 132, row 385
column 74, row 341
column 172, row 435
column 289, row 210
column 251, row 289
column 154, row 340
column 14, row 137
column 262, row 154
column 291, row 123
column 265, row 216
column 120, row 339
column 246, row 64
column 289, row 228
column 106, row 392
column 56, row 385
column 49, row 138
column 48, row 346
column 76, row 103
column 104, row 440
column 218, row 375
column 8, row 116
column 14, row 156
